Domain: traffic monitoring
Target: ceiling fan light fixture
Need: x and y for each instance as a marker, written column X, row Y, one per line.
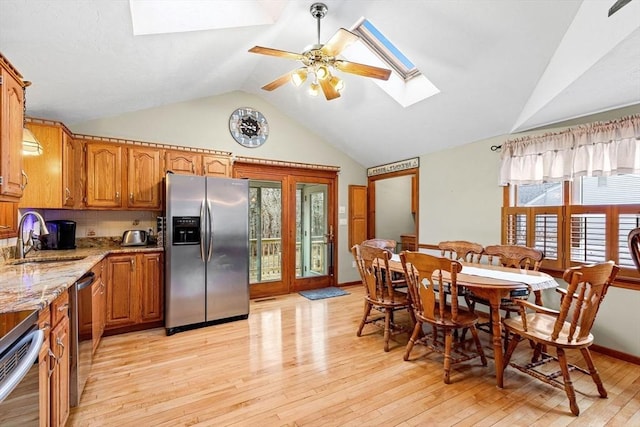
column 337, row 83
column 322, row 72
column 314, row 89
column 299, row 76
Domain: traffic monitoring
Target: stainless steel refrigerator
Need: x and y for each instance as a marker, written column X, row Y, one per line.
column 207, row 251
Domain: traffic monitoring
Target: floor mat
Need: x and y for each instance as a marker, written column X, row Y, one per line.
column 322, row 293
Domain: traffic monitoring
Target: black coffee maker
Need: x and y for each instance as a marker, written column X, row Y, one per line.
column 62, row 234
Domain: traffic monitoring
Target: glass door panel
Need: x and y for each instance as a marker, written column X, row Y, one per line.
column 311, row 230
column 265, row 231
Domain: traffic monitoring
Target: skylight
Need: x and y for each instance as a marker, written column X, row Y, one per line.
column 407, row 85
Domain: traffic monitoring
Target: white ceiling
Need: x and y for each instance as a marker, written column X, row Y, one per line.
column 501, row 66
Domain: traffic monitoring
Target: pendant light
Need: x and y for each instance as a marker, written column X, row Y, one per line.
column 30, row 145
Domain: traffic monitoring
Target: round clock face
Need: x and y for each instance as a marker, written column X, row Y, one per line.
column 248, row 127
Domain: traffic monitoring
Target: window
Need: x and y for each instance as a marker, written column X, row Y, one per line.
column 584, row 221
column 407, row 85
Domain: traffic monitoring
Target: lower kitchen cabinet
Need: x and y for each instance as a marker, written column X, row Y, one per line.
column 135, row 289
column 60, row 362
column 98, row 307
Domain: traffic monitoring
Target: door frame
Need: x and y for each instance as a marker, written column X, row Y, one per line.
column 371, row 198
column 289, row 174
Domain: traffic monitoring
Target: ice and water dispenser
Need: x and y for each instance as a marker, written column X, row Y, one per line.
column 186, row 230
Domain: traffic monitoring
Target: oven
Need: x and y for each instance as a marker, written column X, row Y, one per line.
column 20, row 344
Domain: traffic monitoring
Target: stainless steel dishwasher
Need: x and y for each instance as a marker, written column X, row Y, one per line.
column 81, row 356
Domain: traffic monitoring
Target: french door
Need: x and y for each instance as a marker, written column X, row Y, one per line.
column 291, row 231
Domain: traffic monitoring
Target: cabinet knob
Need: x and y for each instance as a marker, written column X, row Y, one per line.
column 25, row 180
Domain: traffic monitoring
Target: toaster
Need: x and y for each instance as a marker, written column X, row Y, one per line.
column 134, row 238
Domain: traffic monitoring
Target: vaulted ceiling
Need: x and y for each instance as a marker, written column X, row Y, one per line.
column 501, row 66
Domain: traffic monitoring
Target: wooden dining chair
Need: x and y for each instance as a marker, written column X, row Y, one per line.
column 397, row 279
column 566, row 329
column 461, row 250
column 388, row 244
column 513, row 256
column 380, row 293
column 634, row 246
column 424, row 274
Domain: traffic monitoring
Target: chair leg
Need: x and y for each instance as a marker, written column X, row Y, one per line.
column 513, row 343
column 388, row 314
column 476, row 339
column 367, row 312
column 568, row 385
column 593, row 371
column 448, row 340
column 417, row 330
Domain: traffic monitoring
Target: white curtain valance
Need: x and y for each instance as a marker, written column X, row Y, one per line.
column 596, row 149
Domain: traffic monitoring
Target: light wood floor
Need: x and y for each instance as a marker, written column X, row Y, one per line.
column 298, row 362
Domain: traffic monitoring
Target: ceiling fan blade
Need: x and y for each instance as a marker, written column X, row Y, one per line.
column 329, row 91
column 276, row 52
column 283, row 79
column 363, row 70
column 338, row 42
column 616, row 6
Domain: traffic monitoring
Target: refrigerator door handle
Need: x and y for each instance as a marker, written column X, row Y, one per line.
column 202, row 231
column 209, row 214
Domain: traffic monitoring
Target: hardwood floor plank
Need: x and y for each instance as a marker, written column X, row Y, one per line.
column 297, row 362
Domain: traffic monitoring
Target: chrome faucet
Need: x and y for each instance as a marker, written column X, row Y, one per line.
column 20, row 246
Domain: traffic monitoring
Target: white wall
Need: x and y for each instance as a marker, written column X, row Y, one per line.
column 393, row 208
column 204, row 123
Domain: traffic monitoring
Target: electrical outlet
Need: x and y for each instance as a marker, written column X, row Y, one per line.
column 353, row 264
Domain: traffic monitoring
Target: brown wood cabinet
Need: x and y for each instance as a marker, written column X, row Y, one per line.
column 60, row 345
column 409, row 242
column 8, row 219
column 144, row 178
column 184, row 162
column 107, row 174
column 54, row 176
column 103, row 175
column 45, row 361
column 98, row 305
column 11, row 124
column 134, row 290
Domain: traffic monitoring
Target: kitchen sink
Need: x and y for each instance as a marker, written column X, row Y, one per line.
column 46, row 260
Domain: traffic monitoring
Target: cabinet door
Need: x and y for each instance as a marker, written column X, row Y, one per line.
column 44, row 188
column 8, row 220
column 60, row 376
column 152, row 286
column 144, row 178
column 43, row 384
column 121, row 291
column 213, row 165
column 70, row 170
column 11, row 123
column 183, row 162
column 104, row 175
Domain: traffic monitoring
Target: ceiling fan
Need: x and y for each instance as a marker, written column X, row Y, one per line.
column 617, row 5
column 319, row 59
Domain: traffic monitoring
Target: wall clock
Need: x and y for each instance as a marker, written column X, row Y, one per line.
column 248, row 127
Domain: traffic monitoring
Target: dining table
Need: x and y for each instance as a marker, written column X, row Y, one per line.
column 493, row 283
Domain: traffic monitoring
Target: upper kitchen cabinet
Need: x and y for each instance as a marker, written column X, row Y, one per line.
column 8, row 219
column 192, row 163
column 11, row 123
column 55, row 175
column 110, row 168
column 103, row 175
column 144, row 178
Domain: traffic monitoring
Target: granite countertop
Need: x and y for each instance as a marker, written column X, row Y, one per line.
column 28, row 284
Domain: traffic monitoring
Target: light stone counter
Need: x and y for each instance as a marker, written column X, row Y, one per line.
column 35, row 285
